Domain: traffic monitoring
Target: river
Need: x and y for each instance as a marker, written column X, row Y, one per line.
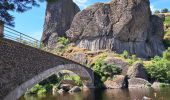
column 109, row 94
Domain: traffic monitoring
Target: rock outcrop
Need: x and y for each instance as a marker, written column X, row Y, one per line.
column 119, row 25
column 137, row 71
column 58, row 18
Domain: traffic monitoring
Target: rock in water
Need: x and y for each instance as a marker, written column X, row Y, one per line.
column 138, row 83
column 119, row 25
column 119, row 82
column 75, row 89
column 59, row 16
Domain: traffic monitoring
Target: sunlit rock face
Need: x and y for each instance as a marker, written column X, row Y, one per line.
column 119, row 25
column 58, row 18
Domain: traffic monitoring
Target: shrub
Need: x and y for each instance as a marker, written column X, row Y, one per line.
column 166, row 54
column 76, row 79
column 35, row 89
column 159, row 69
column 48, row 87
column 62, row 40
column 125, row 54
column 167, row 21
column 42, row 91
column 104, row 78
column 105, row 70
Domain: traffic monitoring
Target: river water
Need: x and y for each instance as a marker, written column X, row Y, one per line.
column 112, row 94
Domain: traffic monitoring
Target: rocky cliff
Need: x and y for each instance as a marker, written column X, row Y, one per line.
column 58, row 18
column 119, row 25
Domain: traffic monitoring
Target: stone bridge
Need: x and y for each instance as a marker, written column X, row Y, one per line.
column 22, row 66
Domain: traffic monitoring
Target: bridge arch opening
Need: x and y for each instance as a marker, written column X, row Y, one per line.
column 85, row 75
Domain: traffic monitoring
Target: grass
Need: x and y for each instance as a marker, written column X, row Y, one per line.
column 167, row 20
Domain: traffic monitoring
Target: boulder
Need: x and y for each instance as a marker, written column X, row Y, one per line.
column 65, row 87
column 61, row 91
column 156, row 85
column 75, row 89
column 58, row 18
column 119, row 25
column 118, row 82
column 55, row 89
column 138, row 83
column 137, row 71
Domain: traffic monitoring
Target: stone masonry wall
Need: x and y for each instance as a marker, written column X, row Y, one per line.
column 20, row 63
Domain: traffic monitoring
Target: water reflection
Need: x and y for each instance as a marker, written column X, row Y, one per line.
column 115, row 94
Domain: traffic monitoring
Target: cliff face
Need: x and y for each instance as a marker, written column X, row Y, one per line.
column 119, row 25
column 59, row 16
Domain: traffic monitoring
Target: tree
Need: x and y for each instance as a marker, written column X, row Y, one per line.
column 19, row 6
column 165, row 10
column 157, row 12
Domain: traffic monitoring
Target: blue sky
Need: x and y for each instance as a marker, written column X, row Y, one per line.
column 31, row 22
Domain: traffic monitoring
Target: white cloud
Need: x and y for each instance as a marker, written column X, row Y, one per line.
column 152, row 8
column 81, row 3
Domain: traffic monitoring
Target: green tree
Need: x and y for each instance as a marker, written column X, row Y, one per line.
column 165, row 10
column 19, row 6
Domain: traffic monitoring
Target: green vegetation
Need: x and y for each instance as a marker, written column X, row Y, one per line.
column 19, row 6
column 165, row 10
column 63, row 41
column 104, row 71
column 130, row 59
column 167, row 20
column 76, row 79
column 46, row 85
column 159, row 69
column 167, row 31
column 162, row 85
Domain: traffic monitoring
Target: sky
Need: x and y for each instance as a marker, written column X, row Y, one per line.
column 31, row 22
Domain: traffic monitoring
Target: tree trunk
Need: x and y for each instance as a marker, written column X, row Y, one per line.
column 1, row 30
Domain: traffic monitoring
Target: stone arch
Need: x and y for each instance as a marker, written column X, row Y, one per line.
column 85, row 74
column 23, row 66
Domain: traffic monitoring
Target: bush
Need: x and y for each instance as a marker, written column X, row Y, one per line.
column 35, row 89
column 167, row 21
column 125, row 54
column 42, row 91
column 105, row 70
column 62, row 40
column 104, row 78
column 166, row 54
column 158, row 70
column 77, row 79
column 48, row 87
